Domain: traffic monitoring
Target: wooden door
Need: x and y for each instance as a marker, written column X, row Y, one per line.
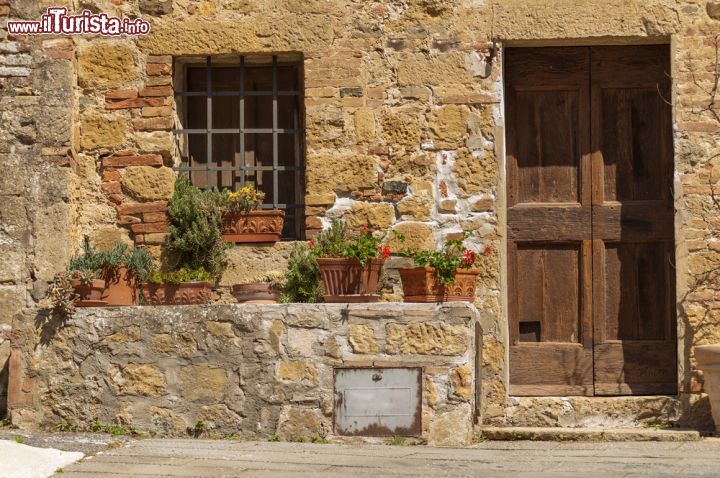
column 632, row 221
column 549, row 221
column 590, row 221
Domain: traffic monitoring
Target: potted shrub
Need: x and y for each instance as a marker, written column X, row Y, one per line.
column 263, row 290
column 441, row 276
column 301, row 282
column 243, row 221
column 194, row 256
column 182, row 287
column 123, row 268
column 84, row 273
column 350, row 263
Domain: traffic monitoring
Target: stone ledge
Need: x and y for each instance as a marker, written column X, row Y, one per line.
column 587, row 434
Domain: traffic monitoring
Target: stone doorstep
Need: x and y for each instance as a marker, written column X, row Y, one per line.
column 586, row 434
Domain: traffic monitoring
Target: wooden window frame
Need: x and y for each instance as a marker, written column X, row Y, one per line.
column 293, row 210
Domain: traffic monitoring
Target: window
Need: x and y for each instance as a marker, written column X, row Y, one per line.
column 241, row 122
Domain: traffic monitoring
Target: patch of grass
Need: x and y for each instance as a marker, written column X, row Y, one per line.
column 274, row 438
column 320, row 440
column 66, row 427
column 514, row 436
column 114, row 430
column 657, row 425
column 19, row 439
column 396, row 441
column 480, row 438
column 59, row 470
column 5, row 422
column 301, row 440
column 197, row 430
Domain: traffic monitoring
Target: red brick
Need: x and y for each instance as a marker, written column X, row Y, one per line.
column 4, row 11
column 156, row 91
column 154, row 217
column 154, row 111
column 124, row 220
column 313, row 222
column 112, row 187
column 134, row 103
column 153, row 124
column 139, row 239
column 159, row 69
column 16, row 396
column 138, row 160
column 152, row 227
column 111, row 176
column 116, row 198
column 159, row 59
column 141, row 207
column 60, row 55
column 124, row 94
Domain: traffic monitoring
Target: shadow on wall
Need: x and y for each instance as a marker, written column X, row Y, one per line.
column 48, row 322
column 4, row 375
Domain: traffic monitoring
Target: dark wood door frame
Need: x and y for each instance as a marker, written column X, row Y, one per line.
column 565, row 225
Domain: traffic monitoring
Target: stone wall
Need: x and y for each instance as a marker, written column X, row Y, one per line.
column 404, row 131
column 245, row 369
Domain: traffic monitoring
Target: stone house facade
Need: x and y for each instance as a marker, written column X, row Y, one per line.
column 400, row 122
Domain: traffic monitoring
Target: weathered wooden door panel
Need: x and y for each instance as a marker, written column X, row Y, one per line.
column 632, row 221
column 549, row 221
column 590, row 221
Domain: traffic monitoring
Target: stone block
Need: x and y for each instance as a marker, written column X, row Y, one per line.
column 300, row 341
column 475, row 174
column 362, row 339
column 142, row 379
column 13, row 299
column 145, row 183
column 418, row 236
column 105, row 64
column 461, row 379
column 104, row 238
column 426, row 338
column 417, row 207
column 401, row 129
column 198, row 382
column 302, row 371
column 451, row 428
column 365, row 125
column 449, row 126
column 341, row 174
column 297, row 423
column 377, row 216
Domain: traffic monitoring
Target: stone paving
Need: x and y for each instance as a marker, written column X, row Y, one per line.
column 206, row 458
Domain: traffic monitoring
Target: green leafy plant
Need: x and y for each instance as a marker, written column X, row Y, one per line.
column 195, row 240
column 274, row 438
column 114, row 430
column 302, row 278
column 158, row 276
column 397, row 441
column 135, row 259
column 88, row 265
column 197, row 430
column 320, row 440
column 19, row 439
column 447, row 261
column 245, row 199
column 338, row 241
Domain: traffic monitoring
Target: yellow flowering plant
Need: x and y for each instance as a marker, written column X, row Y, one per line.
column 245, row 199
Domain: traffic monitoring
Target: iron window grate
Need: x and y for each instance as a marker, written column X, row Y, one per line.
column 269, row 168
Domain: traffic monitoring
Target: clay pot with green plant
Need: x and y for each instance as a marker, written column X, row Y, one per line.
column 265, row 289
column 123, row 269
column 245, row 222
column 350, row 263
column 182, row 287
column 448, row 275
column 85, row 276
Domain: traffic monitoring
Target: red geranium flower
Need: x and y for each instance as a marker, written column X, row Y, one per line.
column 384, row 251
column 468, row 258
column 365, row 228
column 311, row 243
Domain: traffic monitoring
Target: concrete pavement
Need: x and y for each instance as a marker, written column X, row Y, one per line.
column 218, row 458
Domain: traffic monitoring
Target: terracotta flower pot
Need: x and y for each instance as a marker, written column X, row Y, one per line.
column 121, row 287
column 346, row 280
column 89, row 293
column 185, row 293
column 257, row 293
column 420, row 284
column 708, row 360
column 253, row 226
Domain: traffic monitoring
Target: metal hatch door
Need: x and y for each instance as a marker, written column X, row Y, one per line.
column 378, row 401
